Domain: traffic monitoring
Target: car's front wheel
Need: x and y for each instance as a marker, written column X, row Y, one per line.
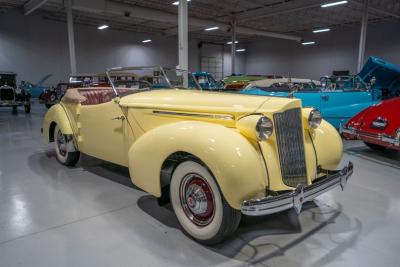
column 199, row 205
column 64, row 156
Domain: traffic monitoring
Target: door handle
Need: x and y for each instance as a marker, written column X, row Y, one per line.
column 325, row 97
column 118, row 118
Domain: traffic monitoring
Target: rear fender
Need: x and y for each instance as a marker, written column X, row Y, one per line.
column 56, row 115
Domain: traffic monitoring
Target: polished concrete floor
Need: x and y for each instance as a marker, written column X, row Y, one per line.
column 91, row 215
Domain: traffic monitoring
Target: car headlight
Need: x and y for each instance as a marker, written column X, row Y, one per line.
column 264, row 128
column 314, row 119
column 398, row 136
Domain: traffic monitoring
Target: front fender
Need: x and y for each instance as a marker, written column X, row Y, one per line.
column 236, row 164
column 328, row 145
column 56, row 114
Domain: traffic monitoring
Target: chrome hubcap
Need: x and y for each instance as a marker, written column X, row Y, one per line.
column 61, row 144
column 197, row 199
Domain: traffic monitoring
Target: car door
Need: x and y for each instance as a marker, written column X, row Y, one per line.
column 102, row 132
column 339, row 106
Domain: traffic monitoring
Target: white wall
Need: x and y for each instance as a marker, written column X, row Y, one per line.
column 335, row 50
column 32, row 47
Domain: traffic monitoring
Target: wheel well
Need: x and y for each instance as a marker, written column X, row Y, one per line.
column 167, row 169
column 51, row 131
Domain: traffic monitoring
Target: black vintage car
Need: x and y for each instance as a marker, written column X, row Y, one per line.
column 10, row 95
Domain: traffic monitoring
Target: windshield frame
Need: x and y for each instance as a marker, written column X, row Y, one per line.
column 159, row 68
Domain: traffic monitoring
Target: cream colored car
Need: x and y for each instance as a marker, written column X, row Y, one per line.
column 215, row 156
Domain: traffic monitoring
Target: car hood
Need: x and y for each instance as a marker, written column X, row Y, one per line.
column 387, row 74
column 207, row 102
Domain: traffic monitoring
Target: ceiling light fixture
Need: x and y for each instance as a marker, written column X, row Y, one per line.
column 308, row 43
column 334, row 4
column 211, row 29
column 102, row 27
column 176, row 3
column 230, row 42
column 321, row 30
column 240, row 50
column 146, row 41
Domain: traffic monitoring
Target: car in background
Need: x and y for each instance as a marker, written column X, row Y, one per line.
column 53, row 95
column 204, row 152
column 35, row 89
column 339, row 99
column 378, row 126
column 207, row 81
column 10, row 95
column 238, row 82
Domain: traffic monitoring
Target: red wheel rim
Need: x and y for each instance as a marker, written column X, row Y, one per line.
column 197, row 199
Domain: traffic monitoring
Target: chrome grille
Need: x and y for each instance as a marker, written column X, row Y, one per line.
column 289, row 135
column 6, row 94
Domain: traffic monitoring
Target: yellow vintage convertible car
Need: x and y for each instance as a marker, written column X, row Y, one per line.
column 213, row 155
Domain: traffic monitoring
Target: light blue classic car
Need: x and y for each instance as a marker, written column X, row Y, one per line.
column 35, row 89
column 207, row 81
column 340, row 98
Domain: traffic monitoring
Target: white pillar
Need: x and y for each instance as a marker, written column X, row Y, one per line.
column 233, row 48
column 71, row 38
column 183, row 37
column 363, row 36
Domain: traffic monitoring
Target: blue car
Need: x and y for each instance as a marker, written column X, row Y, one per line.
column 35, row 89
column 207, row 81
column 342, row 97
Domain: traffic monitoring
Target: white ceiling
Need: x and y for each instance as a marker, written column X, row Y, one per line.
column 294, row 17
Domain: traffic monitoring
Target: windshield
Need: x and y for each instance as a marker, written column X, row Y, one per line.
column 293, row 86
column 345, row 83
column 134, row 79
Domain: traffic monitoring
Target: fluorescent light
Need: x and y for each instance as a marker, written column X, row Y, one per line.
column 176, row 3
column 102, row 27
column 211, row 29
column 334, row 4
column 321, row 30
column 230, row 42
column 308, row 43
column 146, row 41
column 240, row 50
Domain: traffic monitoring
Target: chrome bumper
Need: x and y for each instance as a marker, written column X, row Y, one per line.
column 378, row 137
column 302, row 194
column 10, row 103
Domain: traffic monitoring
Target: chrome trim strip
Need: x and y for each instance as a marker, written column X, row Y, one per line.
column 199, row 115
column 379, row 137
column 302, row 194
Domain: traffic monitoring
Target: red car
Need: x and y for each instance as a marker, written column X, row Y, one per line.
column 378, row 126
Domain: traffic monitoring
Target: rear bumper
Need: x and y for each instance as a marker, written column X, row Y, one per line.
column 302, row 194
column 351, row 133
column 4, row 103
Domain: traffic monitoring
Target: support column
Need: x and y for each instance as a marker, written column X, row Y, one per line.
column 71, row 38
column 363, row 36
column 233, row 48
column 183, row 37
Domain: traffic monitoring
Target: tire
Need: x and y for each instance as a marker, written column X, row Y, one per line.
column 375, row 146
column 64, row 157
column 14, row 109
column 208, row 222
column 27, row 109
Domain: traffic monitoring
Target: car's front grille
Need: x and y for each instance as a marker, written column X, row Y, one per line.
column 6, row 94
column 289, row 135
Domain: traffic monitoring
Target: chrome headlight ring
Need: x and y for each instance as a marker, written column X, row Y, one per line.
column 314, row 119
column 264, row 128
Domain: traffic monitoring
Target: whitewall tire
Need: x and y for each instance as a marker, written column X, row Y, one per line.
column 199, row 205
column 64, row 156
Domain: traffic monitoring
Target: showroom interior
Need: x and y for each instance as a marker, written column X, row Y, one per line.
column 199, row 132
